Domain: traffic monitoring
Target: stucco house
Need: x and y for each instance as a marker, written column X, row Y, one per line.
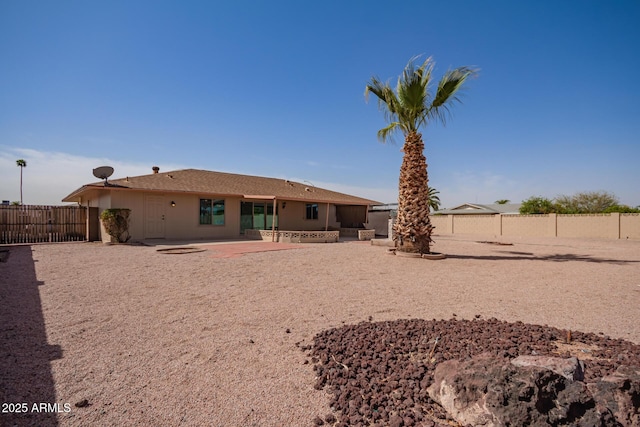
column 200, row 204
column 477, row 209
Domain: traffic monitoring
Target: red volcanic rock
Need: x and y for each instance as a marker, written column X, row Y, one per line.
column 380, row 372
column 618, row 394
column 489, row 391
column 570, row 368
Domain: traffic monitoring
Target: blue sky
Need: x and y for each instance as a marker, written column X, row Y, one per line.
column 275, row 88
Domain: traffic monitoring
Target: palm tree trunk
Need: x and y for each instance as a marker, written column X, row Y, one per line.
column 413, row 227
column 20, row 185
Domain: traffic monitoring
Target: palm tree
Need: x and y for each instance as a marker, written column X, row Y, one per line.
column 21, row 164
column 411, row 106
column 434, row 200
column 502, row 201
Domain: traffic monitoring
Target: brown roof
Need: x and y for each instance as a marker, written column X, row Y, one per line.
column 225, row 184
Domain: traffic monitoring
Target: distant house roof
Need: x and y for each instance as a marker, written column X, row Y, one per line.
column 223, row 184
column 477, row 209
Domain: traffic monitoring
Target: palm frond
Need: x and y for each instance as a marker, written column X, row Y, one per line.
column 434, row 200
column 447, row 92
column 376, row 87
column 413, row 92
column 388, row 103
column 412, row 104
column 386, row 134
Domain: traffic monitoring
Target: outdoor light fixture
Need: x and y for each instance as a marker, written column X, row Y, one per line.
column 173, row 204
column 284, row 205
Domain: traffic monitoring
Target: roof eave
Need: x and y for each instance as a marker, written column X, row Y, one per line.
column 75, row 195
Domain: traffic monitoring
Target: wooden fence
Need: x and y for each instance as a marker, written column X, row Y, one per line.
column 34, row 224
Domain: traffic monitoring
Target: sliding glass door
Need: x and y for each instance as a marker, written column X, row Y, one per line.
column 246, row 216
column 257, row 216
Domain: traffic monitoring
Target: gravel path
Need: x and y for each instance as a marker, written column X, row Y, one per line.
column 126, row 335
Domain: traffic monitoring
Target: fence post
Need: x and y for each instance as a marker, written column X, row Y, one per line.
column 497, row 225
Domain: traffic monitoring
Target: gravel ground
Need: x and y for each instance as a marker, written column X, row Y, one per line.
column 126, row 335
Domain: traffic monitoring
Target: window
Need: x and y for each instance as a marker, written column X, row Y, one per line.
column 312, row 211
column 211, row 211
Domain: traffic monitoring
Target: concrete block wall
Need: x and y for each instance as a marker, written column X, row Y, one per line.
column 630, row 226
column 528, row 225
column 601, row 226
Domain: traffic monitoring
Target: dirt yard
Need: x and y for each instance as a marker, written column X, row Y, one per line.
column 125, row 335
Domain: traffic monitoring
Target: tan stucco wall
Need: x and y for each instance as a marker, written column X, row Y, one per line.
column 528, row 225
column 470, row 224
column 182, row 220
column 294, row 217
column 604, row 226
column 595, row 225
column 133, row 201
column 440, row 224
column 630, row 226
column 102, row 202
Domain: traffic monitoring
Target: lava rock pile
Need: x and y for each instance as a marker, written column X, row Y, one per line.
column 378, row 372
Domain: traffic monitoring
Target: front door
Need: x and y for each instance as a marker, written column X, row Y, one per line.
column 154, row 217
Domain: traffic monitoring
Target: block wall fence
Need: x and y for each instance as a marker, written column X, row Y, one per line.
column 603, row 226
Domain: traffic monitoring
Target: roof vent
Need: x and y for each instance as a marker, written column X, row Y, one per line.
column 155, row 169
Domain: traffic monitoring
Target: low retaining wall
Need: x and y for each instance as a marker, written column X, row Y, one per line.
column 360, row 233
column 366, row 234
column 294, row 236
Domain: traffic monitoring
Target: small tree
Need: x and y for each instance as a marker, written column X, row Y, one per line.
column 434, row 200
column 588, row 202
column 579, row 203
column 537, row 205
column 116, row 223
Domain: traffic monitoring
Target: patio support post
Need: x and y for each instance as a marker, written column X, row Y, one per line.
column 273, row 220
column 326, row 222
column 87, row 229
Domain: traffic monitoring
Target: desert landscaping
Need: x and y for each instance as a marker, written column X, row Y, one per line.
column 227, row 335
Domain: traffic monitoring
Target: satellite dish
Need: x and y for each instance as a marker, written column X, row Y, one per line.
column 103, row 172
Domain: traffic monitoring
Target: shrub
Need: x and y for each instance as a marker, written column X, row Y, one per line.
column 579, row 203
column 537, row 205
column 621, row 209
column 588, row 202
column 116, row 223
